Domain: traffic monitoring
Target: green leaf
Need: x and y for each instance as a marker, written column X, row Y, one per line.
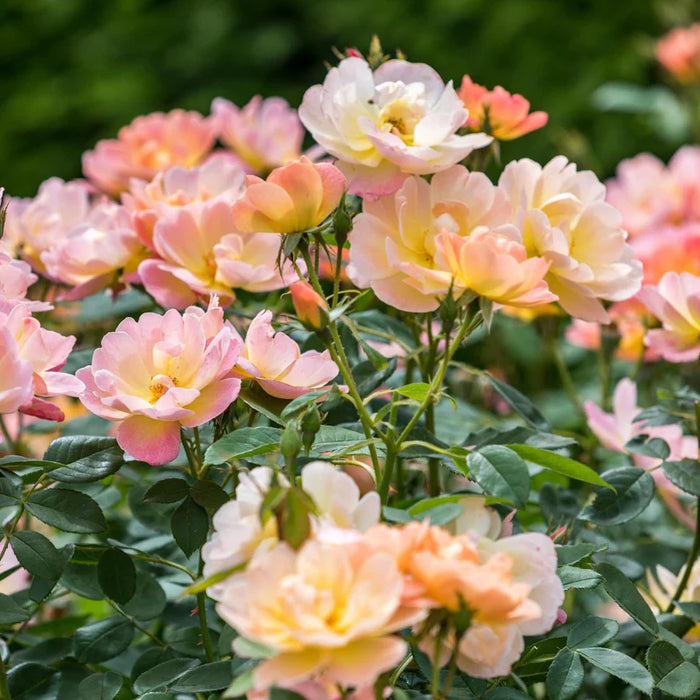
column 501, row 473
column 208, row 494
column 634, row 489
column 29, row 680
column 692, row 610
column 334, row 437
column 70, row 511
column 100, row 686
column 565, row 675
column 417, row 391
column 148, row 601
column 520, row 404
column 301, row 402
column 249, row 649
column 574, row 553
column 396, row 515
column 368, row 378
column 592, row 632
column 214, row 676
column 10, row 493
column 161, row 675
column 559, row 464
column 440, row 514
column 672, row 673
column 86, row 458
column 167, row 491
column 37, row 555
column 621, row 666
column 654, row 447
column 684, row 474
column 10, row 611
column 575, row 577
column 116, row 575
column 102, row 640
column 242, row 443
column 626, row 595
column 190, row 525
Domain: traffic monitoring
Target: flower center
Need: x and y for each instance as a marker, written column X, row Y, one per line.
column 160, row 383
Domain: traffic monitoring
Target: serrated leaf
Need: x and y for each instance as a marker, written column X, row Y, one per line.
column 501, row 473
column 520, row 404
column 440, row 514
column 626, row 595
column 654, row 447
column 568, row 554
column 10, row 611
column 67, row 510
column 208, row 494
column 565, row 675
column 684, row 474
column 190, row 525
column 148, row 601
column 86, row 458
column 592, row 632
column 672, row 673
column 116, row 575
column 301, row 402
column 417, row 391
column 203, row 679
column 575, row 577
column 559, row 464
column 167, row 491
column 621, row 666
column 634, row 489
column 100, row 686
column 242, row 443
column 102, row 640
column 37, row 555
column 334, row 437
column 164, row 673
column 10, row 493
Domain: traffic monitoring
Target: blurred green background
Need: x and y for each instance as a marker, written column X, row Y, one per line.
column 74, row 71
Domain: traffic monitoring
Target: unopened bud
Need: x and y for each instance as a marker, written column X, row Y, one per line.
column 290, row 442
column 311, row 308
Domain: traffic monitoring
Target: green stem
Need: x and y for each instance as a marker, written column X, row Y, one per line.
column 399, row 670
column 336, row 276
column 692, row 558
column 335, row 347
column 192, row 461
column 202, row 615
column 435, row 680
column 565, row 376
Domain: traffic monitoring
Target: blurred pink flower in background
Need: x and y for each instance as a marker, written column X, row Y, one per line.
column 294, row 198
column 264, row 133
column 276, row 363
column 158, row 373
column 679, row 53
column 563, row 217
column 649, row 194
column 384, row 125
column 675, row 301
column 34, row 225
column 507, row 116
column 151, row 143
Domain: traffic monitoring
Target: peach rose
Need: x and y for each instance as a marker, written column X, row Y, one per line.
column 507, row 116
column 564, row 218
column 679, row 53
column 294, row 198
